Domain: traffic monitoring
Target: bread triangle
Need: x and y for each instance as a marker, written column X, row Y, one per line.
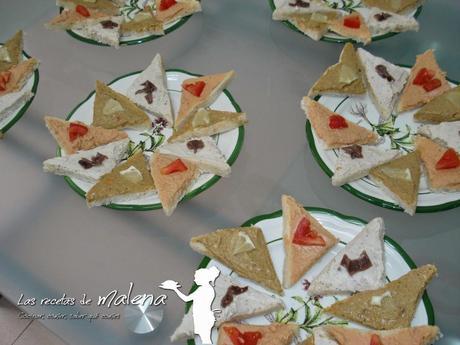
column 400, row 179
column 385, row 81
column 72, row 20
column 248, row 304
column 392, row 306
column 179, row 10
column 320, row 118
column 443, row 108
column 144, row 23
column 360, row 34
column 337, row 335
column 207, row 122
column 201, row 151
column 382, row 22
column 445, row 133
column 114, row 110
column 96, row 136
column 105, row 30
column 106, row 6
column 439, row 179
column 335, row 277
column 172, row 187
column 415, row 95
column 89, row 165
column 288, row 9
column 300, row 258
column 149, row 91
column 276, row 333
column 344, row 78
column 400, row 6
column 19, row 75
column 213, row 86
column 11, row 52
column 128, row 181
column 11, row 102
column 244, row 250
column 355, row 162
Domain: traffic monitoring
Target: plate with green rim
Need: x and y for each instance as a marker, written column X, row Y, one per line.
column 229, row 143
column 348, row 6
column 129, row 10
column 12, row 117
column 396, row 133
column 397, row 263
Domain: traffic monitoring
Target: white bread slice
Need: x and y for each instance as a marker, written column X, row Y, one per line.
column 335, row 279
column 248, row 304
column 392, row 22
column 209, row 159
column 338, row 335
column 70, row 166
column 348, row 169
column 445, row 133
column 160, row 104
column 288, row 9
column 109, row 35
column 12, row 102
column 384, row 93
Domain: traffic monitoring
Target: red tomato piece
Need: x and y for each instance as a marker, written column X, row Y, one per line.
column 239, row 338
column 432, row 84
column 174, row 166
column 82, row 10
column 352, row 21
column 423, row 76
column 165, row 4
column 337, row 122
column 76, row 130
column 305, row 236
column 195, row 88
column 449, row 160
column 6, row 76
column 375, row 340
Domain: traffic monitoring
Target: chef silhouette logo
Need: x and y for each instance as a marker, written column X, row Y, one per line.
column 203, row 316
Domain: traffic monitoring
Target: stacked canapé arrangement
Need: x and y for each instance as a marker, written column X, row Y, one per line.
column 112, row 22
column 361, row 21
column 115, row 168
column 17, row 82
column 399, row 126
column 335, row 282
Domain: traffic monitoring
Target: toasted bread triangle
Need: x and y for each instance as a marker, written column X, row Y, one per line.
column 401, row 6
column 319, row 117
column 172, row 187
column 398, row 301
column 248, row 304
column 20, row 74
column 112, row 110
column 254, row 264
column 106, row 6
column 299, row 259
column 344, row 77
column 439, row 179
column 415, row 95
column 361, row 34
column 337, row 335
column 71, row 19
column 214, row 84
column 276, row 333
column 96, row 136
column 120, row 185
column 400, row 178
column 335, row 279
column 13, row 49
column 177, row 11
column 443, row 108
column 207, row 122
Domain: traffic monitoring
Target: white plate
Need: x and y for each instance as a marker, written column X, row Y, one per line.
column 347, row 5
column 229, row 143
column 364, row 188
column 345, row 228
column 31, row 85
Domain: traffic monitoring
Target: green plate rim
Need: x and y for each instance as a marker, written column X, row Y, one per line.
column 176, row 26
column 193, row 193
column 369, row 198
column 26, row 105
column 342, row 40
column 350, row 219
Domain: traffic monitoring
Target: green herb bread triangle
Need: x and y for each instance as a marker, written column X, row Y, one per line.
column 444, row 108
column 11, row 52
